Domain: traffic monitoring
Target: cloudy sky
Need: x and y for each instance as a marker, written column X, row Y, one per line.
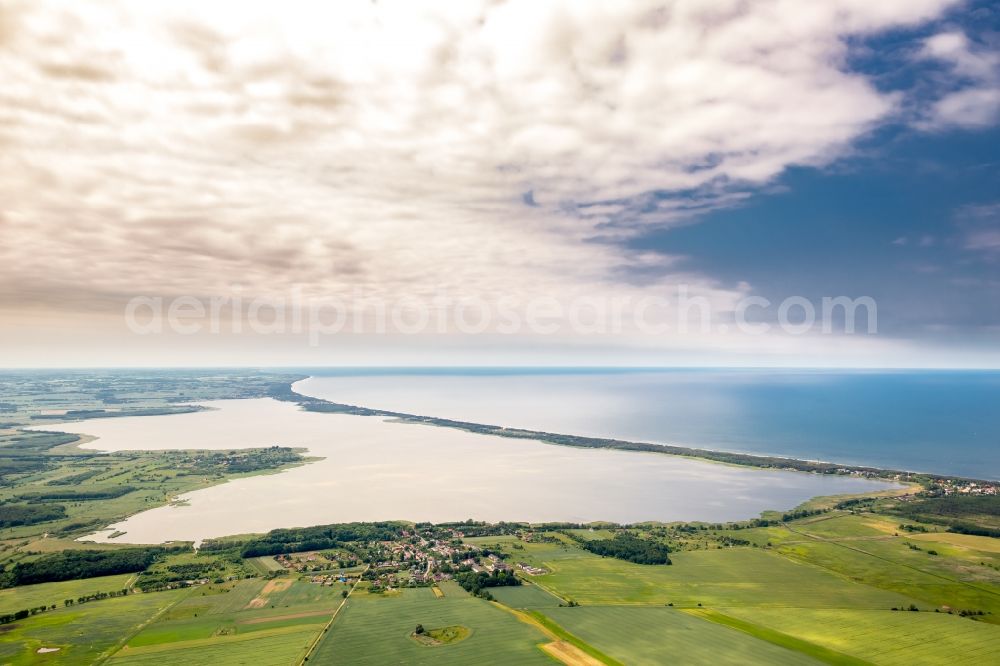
column 412, row 156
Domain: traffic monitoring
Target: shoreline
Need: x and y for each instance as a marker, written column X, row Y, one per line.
column 134, row 536
column 906, row 482
column 286, row 393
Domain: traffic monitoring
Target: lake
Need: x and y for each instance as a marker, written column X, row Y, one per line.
column 946, row 422
column 374, row 469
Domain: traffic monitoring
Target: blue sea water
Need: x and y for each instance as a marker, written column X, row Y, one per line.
column 933, row 421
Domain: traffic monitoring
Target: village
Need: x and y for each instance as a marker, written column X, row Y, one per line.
column 418, row 558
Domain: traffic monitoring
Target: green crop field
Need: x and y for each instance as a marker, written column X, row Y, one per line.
column 251, row 621
column 976, row 544
column 452, row 589
column 264, row 648
column 81, row 633
column 846, row 526
column 264, row 565
column 305, row 595
column 658, row 635
column 217, row 599
column 525, row 596
column 885, row 637
column 589, row 534
column 375, row 630
column 490, row 540
column 46, row 594
column 728, row 577
column 891, row 565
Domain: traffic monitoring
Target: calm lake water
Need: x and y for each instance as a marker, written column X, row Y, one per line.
column 373, row 469
column 944, row 422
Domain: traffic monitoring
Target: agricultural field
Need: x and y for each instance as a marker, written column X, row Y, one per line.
column 260, row 621
column 46, row 594
column 590, row 534
column 263, row 565
column 83, row 633
column 525, row 596
column 959, row 579
column 283, row 647
column 658, row 635
column 726, row 577
column 846, row 526
column 976, row 544
column 884, row 637
column 491, row 540
column 821, row 592
column 376, row 629
column 452, row 589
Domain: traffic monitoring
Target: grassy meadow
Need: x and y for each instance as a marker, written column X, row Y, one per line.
column 658, row 635
column 84, row 633
column 526, row 596
column 375, row 629
column 47, row 594
column 726, row 577
column 818, row 589
column 251, row 621
column 883, row 637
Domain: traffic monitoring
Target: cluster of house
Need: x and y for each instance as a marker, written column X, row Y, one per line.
column 969, row 488
column 415, row 559
column 330, row 579
column 300, row 562
column 177, row 584
column 494, row 563
column 389, row 580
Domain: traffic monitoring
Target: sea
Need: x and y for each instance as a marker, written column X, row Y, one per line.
column 945, row 422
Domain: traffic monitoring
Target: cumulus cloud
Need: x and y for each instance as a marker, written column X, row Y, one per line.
column 409, row 148
column 975, row 71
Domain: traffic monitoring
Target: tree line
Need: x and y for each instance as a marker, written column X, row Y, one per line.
column 627, row 546
column 76, row 564
column 301, row 539
column 476, row 582
column 13, row 515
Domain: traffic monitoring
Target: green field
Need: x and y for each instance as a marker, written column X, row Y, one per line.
column 263, row 565
column 885, row 637
column 658, row 635
column 845, row 526
column 934, row 581
column 82, row 633
column 376, row 630
column 452, row 589
column 251, row 621
column 282, row 647
column 728, row 577
column 525, row 596
column 46, row 594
